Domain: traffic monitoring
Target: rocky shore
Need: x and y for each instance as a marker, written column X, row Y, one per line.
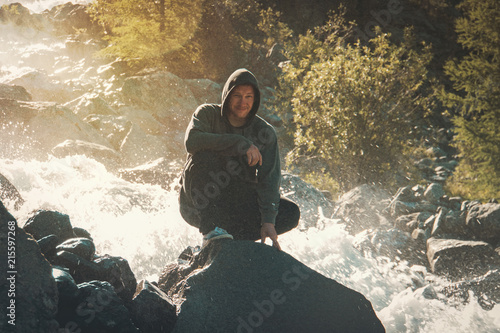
column 63, row 285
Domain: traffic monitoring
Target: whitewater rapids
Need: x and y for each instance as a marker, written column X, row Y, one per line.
column 142, row 223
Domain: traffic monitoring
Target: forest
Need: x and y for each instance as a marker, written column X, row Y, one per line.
column 363, row 86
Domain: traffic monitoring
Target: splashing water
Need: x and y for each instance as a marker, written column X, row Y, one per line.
column 142, row 223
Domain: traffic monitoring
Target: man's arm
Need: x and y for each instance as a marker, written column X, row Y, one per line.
column 200, row 135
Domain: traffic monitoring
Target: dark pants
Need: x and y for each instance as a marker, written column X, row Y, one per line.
column 214, row 196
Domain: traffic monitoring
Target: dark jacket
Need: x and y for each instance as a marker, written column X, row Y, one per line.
column 210, row 130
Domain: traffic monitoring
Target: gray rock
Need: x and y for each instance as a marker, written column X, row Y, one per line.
column 101, row 310
column 485, row 288
column 484, row 222
column 14, row 92
column 29, row 293
column 229, row 287
column 460, row 258
column 434, row 192
column 8, row 192
column 392, row 243
column 100, row 153
column 116, row 271
column 164, row 95
column 151, row 309
column 80, row 246
column 44, row 223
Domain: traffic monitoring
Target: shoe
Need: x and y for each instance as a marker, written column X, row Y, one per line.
column 217, row 233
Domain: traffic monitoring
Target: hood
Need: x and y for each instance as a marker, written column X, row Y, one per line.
column 239, row 77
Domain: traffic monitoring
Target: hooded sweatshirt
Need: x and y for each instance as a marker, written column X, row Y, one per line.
column 210, row 130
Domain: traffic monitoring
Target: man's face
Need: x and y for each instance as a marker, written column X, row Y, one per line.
column 240, row 103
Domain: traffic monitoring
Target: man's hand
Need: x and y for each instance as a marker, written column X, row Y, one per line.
column 268, row 230
column 254, row 156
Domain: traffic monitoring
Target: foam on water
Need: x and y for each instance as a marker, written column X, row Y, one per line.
column 142, row 224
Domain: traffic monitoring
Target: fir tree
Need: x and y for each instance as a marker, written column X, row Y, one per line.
column 475, row 101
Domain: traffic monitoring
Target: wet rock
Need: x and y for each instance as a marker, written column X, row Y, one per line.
column 68, row 17
column 44, row 223
column 8, row 192
column 101, row 310
column 460, row 258
column 80, row 232
column 48, row 246
column 100, row 153
column 17, row 14
column 117, row 272
column 485, row 288
column 484, row 222
column 434, row 192
column 159, row 172
column 412, row 221
column 17, row 93
column 151, row 309
column 139, row 147
column 81, row 269
column 205, row 91
column 229, row 287
column 392, row 243
column 38, row 127
column 28, row 275
column 163, row 94
column 66, row 285
column 43, row 87
column 90, row 104
column 83, row 247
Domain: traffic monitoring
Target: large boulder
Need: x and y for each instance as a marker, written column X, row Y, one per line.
column 44, row 223
column 68, row 18
column 152, row 310
column 460, row 258
column 245, row 286
column 43, row 87
column 29, row 293
column 14, row 92
column 205, row 91
column 159, row 172
column 35, row 128
column 164, row 95
column 101, row 310
column 484, row 222
column 100, row 153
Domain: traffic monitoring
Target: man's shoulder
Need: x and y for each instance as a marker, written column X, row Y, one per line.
column 260, row 123
column 208, row 109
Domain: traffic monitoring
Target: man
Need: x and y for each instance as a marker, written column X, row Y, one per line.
column 231, row 180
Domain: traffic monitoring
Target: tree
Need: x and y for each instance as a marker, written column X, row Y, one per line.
column 354, row 106
column 145, row 31
column 474, row 101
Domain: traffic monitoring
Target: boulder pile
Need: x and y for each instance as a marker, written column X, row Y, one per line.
column 62, row 284
column 455, row 238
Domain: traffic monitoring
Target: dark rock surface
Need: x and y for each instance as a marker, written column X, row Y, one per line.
column 29, row 292
column 152, row 310
column 245, row 286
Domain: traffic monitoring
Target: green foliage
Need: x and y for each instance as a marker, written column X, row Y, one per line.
column 354, row 106
column 145, row 31
column 475, row 101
